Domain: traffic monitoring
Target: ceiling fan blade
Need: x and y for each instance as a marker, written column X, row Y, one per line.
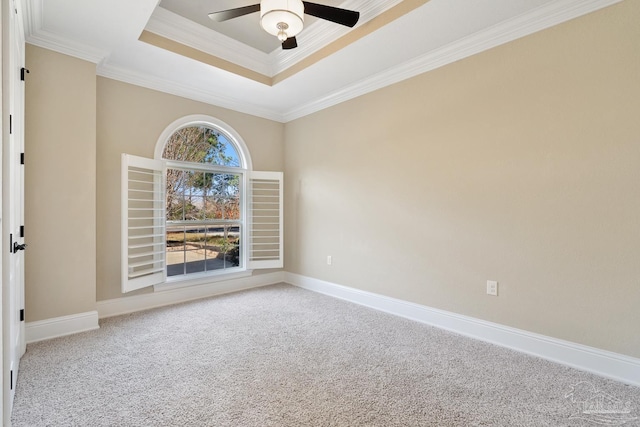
column 225, row 15
column 290, row 43
column 333, row 14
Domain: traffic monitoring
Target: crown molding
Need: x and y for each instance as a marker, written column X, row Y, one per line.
column 65, row 46
column 36, row 35
column 185, row 91
column 548, row 15
column 175, row 27
column 321, row 33
column 539, row 19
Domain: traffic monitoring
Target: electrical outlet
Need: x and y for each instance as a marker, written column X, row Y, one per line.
column 492, row 288
column 329, row 260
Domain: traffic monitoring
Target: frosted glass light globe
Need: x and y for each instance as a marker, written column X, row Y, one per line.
column 282, row 18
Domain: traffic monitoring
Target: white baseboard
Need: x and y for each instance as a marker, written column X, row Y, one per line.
column 60, row 326
column 118, row 306
column 601, row 362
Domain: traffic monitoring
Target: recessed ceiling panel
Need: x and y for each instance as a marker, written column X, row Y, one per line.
column 377, row 53
column 245, row 29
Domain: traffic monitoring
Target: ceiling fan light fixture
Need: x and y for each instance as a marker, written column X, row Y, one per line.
column 282, row 31
column 282, row 18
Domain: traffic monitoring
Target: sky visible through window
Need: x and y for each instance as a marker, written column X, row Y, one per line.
column 229, row 150
column 201, row 144
column 202, row 206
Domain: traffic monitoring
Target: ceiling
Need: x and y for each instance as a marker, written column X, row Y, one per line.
column 245, row 29
column 172, row 46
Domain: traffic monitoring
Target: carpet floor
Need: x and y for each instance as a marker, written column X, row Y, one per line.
column 284, row 356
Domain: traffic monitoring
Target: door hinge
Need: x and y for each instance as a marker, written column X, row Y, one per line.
column 10, row 243
column 22, row 315
column 23, row 71
column 11, row 380
column 22, row 158
column 22, row 231
column 10, row 124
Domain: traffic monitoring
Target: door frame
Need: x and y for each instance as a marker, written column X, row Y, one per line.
column 12, row 204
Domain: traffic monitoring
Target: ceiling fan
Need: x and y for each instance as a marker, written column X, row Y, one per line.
column 285, row 18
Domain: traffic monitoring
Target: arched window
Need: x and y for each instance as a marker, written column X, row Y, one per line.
column 198, row 210
column 203, row 201
column 201, row 144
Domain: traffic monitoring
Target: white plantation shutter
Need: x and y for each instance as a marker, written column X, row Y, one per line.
column 265, row 220
column 143, row 222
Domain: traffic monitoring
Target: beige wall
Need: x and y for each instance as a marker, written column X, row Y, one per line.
column 130, row 120
column 60, row 182
column 520, row 164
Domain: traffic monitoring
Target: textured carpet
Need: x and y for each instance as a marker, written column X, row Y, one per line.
column 283, row 356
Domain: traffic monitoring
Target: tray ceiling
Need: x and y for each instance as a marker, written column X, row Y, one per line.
column 172, row 46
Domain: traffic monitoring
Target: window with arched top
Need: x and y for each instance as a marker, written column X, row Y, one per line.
column 197, row 211
column 201, row 144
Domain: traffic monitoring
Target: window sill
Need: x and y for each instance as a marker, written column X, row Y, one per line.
column 202, row 279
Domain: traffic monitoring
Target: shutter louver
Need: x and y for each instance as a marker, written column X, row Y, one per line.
column 143, row 223
column 266, row 220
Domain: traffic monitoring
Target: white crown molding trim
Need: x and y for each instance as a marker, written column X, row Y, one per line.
column 118, row 306
column 309, row 41
column 37, row 36
column 604, row 363
column 185, row 91
column 65, row 46
column 173, row 26
column 321, row 33
column 61, row 326
column 546, row 16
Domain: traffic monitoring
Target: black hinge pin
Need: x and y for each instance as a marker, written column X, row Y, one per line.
column 23, row 71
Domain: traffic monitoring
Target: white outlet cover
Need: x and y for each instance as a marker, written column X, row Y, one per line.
column 492, row 287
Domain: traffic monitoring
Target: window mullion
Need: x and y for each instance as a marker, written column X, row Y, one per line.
column 204, row 198
column 211, row 195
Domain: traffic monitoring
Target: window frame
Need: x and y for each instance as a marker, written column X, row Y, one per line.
column 246, row 206
column 243, row 169
column 188, row 166
column 200, row 120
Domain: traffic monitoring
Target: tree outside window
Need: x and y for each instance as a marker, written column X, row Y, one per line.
column 203, row 202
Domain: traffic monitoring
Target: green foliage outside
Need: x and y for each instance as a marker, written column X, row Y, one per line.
column 201, row 196
column 198, row 195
